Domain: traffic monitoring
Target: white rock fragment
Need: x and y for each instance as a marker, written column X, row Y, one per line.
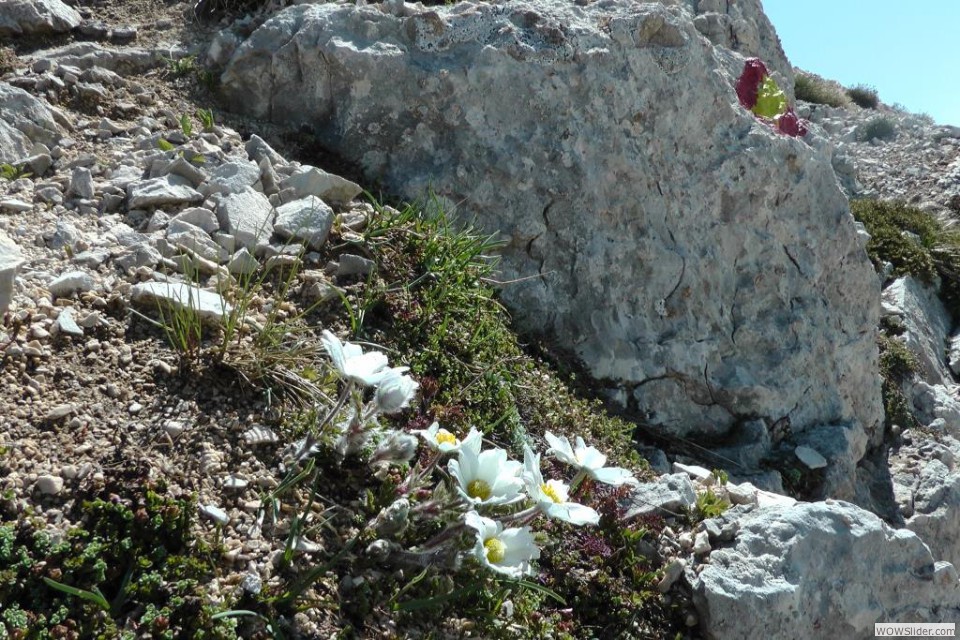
column 66, row 324
column 810, row 457
column 20, row 17
column 49, row 485
column 308, row 219
column 215, row 513
column 260, row 435
column 696, row 472
column 243, row 263
column 248, row 216
column 173, row 428
column 81, row 183
column 208, row 305
column 70, row 283
column 200, row 217
column 311, row 181
column 15, row 206
column 10, row 261
column 231, row 177
column 701, row 543
column 234, row 483
column 160, row 191
column 671, row 573
column 743, row 493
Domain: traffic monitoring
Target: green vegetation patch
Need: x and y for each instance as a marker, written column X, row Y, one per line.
column 897, row 364
column 433, row 301
column 129, row 569
column 878, row 128
column 864, row 96
column 915, row 242
column 812, row 88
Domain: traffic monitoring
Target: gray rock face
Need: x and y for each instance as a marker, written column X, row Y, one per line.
column 786, row 574
column 308, row 219
column 927, row 323
column 671, row 493
column 20, row 17
column 704, row 265
column 247, row 216
column 936, row 509
column 326, row 186
column 160, row 191
column 25, row 120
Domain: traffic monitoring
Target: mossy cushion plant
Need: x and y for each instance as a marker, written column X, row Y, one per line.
column 915, row 242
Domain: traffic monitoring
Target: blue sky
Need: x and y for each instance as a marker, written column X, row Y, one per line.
column 909, row 50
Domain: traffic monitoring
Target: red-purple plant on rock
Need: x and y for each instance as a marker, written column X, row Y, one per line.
column 758, row 92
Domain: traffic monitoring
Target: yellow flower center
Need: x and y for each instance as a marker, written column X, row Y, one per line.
column 478, row 489
column 550, row 492
column 496, row 550
column 444, row 436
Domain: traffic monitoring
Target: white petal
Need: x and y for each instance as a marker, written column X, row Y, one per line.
column 590, row 458
column 561, row 448
column 485, row 527
column 572, row 512
column 615, row 476
column 334, row 349
column 472, row 441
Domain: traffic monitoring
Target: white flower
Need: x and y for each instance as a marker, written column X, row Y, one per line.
column 552, row 497
column 441, row 440
column 507, row 551
column 589, row 460
column 486, row 477
column 395, row 390
column 352, row 363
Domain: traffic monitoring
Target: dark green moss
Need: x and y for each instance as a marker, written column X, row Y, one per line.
column 897, row 364
column 915, row 242
column 135, row 548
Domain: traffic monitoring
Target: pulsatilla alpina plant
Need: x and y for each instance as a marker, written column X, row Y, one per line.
column 484, row 503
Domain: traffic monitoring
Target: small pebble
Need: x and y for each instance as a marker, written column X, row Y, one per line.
column 49, row 485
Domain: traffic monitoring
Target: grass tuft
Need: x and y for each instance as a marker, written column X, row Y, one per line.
column 879, row 128
column 864, row 96
column 812, row 88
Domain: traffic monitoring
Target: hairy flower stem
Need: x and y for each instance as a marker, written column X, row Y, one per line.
column 451, row 531
column 523, row 518
column 342, row 400
column 576, row 482
column 415, row 478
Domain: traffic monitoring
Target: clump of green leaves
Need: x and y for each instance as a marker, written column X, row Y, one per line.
column 11, row 172
column 179, row 67
column 206, row 119
column 864, row 96
column 710, row 505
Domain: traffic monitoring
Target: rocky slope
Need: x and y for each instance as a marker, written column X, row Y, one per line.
column 120, row 198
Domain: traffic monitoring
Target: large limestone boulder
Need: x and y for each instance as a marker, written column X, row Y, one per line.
column 818, row 570
column 25, row 121
column 703, row 266
column 36, row 17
